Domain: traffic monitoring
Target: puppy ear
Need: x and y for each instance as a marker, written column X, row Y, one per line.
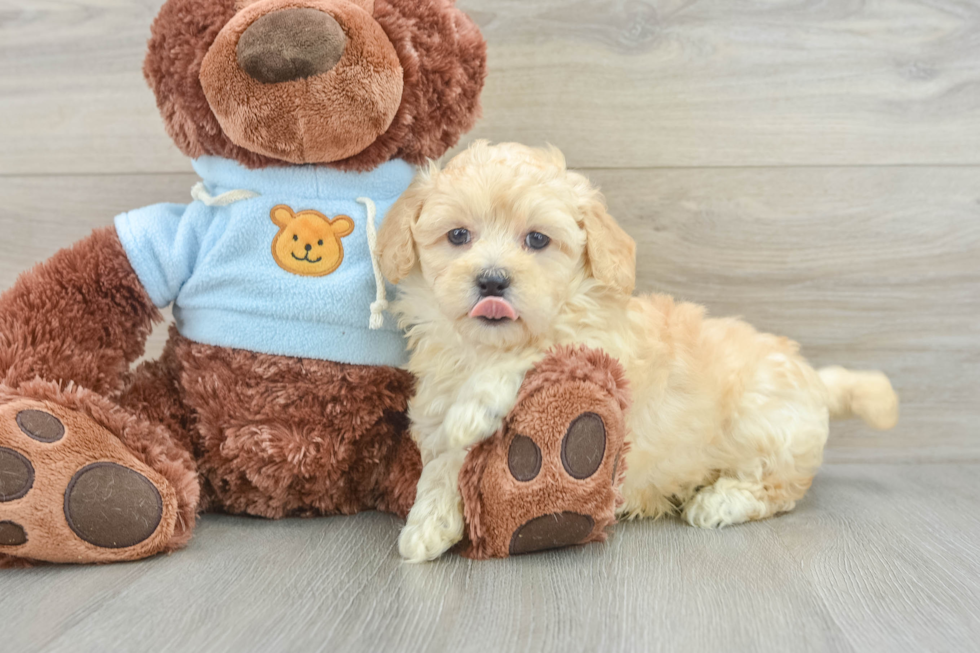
column 610, row 251
column 396, row 245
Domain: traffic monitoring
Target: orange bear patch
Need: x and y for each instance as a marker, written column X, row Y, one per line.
column 308, row 242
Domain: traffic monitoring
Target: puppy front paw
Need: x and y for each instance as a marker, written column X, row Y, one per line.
column 469, row 422
column 427, row 536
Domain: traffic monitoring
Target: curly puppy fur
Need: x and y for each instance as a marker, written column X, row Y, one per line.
column 441, row 51
column 728, row 424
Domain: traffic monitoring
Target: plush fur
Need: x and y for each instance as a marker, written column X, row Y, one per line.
column 97, row 430
column 284, row 120
column 69, row 295
column 263, row 435
column 728, row 424
column 281, row 436
column 441, row 53
column 568, row 383
column 214, row 428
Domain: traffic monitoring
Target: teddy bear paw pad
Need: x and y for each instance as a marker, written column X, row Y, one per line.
column 71, row 491
column 553, row 531
column 16, row 475
column 583, row 446
column 112, row 506
column 12, row 534
column 41, row 426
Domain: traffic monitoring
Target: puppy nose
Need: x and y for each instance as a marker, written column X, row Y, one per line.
column 309, row 247
column 492, row 284
column 291, row 44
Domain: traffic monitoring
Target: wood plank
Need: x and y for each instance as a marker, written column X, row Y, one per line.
column 44, row 214
column 876, row 557
column 72, row 93
column 866, row 267
column 871, row 268
column 721, row 83
column 615, row 84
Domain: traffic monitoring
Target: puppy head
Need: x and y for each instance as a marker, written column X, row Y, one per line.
column 502, row 238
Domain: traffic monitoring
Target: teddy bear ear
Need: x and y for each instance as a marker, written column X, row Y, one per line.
column 282, row 215
column 342, row 226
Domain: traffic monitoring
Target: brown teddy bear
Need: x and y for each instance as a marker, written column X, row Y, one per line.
column 279, row 392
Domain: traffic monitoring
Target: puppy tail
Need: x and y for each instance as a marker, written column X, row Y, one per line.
column 866, row 394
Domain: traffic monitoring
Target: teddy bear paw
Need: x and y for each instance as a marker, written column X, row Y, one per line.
column 70, row 491
column 550, row 478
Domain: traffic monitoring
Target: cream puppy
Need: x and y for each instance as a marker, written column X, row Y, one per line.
column 505, row 253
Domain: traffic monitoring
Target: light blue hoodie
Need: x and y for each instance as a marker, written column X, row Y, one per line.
column 213, row 259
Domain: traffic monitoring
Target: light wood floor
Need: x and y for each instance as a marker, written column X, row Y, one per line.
column 877, row 558
column 811, row 165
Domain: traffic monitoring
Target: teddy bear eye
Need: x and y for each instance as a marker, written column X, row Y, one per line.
column 319, row 242
column 295, row 237
column 459, row 236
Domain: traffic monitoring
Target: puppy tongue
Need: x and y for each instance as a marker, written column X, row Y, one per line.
column 494, row 308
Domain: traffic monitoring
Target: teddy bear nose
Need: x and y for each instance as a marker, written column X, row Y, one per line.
column 309, row 247
column 290, row 44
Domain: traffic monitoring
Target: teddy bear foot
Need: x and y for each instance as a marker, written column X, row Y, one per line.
column 550, row 477
column 71, row 491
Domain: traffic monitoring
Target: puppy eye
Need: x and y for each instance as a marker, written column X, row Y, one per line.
column 459, row 236
column 536, row 240
column 295, row 237
column 319, row 242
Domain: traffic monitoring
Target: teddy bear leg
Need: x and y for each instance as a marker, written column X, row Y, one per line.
column 154, row 396
column 82, row 480
column 279, row 436
column 400, row 476
column 550, row 478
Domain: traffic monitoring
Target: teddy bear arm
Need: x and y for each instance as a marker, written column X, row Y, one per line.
column 81, row 316
column 551, row 477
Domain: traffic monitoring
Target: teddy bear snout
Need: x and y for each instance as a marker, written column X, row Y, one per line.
column 290, row 44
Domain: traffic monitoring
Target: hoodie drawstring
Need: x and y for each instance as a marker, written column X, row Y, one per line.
column 201, row 194
column 380, row 304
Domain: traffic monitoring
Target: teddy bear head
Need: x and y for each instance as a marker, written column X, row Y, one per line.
column 348, row 84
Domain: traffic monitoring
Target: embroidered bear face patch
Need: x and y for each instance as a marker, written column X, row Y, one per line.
column 308, row 242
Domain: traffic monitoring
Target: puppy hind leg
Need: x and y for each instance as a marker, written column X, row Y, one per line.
column 771, row 454
column 750, row 494
column 731, row 501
